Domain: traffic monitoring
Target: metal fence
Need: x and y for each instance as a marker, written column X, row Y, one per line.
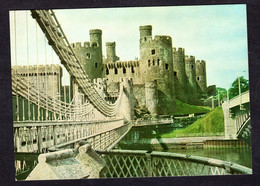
column 129, row 163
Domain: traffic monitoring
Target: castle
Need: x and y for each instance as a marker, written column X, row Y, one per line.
column 161, row 75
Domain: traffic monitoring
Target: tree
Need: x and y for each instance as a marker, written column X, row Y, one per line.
column 222, row 93
column 234, row 90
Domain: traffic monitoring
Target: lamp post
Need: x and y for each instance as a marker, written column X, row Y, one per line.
column 239, row 91
column 218, row 99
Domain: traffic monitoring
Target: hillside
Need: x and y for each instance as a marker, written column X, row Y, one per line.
column 212, row 124
column 185, row 109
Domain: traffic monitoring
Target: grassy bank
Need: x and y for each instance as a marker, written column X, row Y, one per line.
column 211, row 124
column 185, row 109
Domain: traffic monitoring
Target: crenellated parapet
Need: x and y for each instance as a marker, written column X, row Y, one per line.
column 46, row 78
column 41, row 70
column 122, row 64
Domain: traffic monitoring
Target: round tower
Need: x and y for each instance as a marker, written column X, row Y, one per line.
column 96, row 38
column 111, row 52
column 151, row 97
column 145, row 32
column 180, row 74
column 201, row 77
column 179, row 64
column 190, row 69
column 156, row 63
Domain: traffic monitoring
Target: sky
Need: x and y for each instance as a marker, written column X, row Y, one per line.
column 214, row 33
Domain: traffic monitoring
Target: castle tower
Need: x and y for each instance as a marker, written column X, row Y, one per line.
column 201, row 77
column 90, row 54
column 145, row 33
column 190, row 69
column 180, row 74
column 156, row 63
column 151, row 97
column 96, row 38
column 111, row 52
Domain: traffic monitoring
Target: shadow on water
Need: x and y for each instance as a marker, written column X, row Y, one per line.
column 140, row 138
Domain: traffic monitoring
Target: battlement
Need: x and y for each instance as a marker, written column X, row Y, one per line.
column 111, row 44
column 79, row 45
column 121, row 64
column 145, row 27
column 95, row 31
column 42, row 69
column 163, row 38
column 99, row 81
column 189, row 58
column 200, row 62
column 179, row 51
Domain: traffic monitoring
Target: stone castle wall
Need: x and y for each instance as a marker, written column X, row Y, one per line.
column 161, row 75
column 46, row 77
column 176, row 75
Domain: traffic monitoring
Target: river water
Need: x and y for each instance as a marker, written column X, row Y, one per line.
column 132, row 140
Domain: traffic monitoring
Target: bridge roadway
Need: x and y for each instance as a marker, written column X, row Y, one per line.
column 41, row 136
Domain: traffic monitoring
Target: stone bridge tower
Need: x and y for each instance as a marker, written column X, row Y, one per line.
column 156, row 65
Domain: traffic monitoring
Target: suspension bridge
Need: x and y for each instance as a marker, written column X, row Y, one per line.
column 50, row 116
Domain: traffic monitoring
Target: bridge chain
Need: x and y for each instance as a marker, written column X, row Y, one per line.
column 57, row 39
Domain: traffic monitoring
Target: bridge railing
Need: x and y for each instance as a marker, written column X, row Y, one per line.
column 130, row 163
column 153, row 121
column 39, row 136
column 243, row 98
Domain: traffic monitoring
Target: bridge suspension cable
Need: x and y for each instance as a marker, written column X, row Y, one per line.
column 57, row 39
column 21, row 85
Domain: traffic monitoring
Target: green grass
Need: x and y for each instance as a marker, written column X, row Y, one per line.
column 212, row 123
column 185, row 109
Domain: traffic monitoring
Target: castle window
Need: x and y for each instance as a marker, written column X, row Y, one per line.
column 198, row 78
column 116, row 71
column 94, row 45
column 132, row 69
column 96, row 65
column 107, row 71
column 149, row 63
column 191, row 66
column 203, row 70
column 166, row 66
column 88, row 55
column 124, row 70
column 158, row 62
column 153, row 62
column 153, row 52
column 102, row 69
column 144, row 38
column 175, row 73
